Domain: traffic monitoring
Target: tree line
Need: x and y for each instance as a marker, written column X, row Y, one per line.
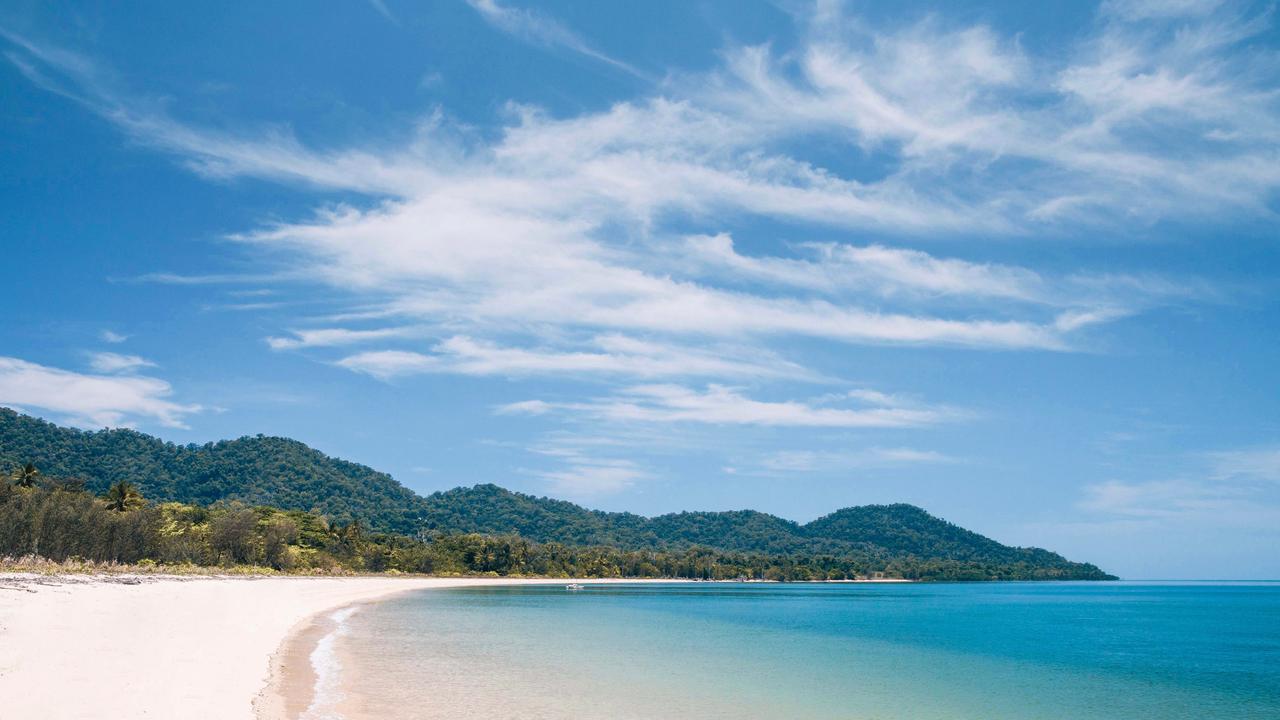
column 288, row 475
column 61, row 519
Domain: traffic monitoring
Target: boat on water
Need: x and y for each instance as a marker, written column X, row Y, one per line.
column 573, row 586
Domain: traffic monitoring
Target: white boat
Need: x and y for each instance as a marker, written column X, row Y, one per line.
column 573, row 586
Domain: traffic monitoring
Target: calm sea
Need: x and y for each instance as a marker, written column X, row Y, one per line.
column 1020, row 651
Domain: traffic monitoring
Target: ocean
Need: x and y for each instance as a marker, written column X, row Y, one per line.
column 1021, row 651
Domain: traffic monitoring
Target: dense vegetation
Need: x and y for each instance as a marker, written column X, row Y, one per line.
column 255, row 470
column 484, row 528
column 61, row 520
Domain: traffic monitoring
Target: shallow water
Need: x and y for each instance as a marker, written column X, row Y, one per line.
column 920, row 651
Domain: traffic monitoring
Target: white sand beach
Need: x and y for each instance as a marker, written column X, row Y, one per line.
column 163, row 647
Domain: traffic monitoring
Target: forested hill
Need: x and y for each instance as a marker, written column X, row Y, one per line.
column 257, row 470
column 288, row 474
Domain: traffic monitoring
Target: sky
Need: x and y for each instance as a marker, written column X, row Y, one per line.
column 1016, row 263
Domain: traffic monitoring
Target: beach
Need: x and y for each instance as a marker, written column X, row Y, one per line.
column 168, row 647
column 303, row 648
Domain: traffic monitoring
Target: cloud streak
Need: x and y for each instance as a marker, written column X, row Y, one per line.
column 331, row 337
column 609, row 355
column 720, row 405
column 93, row 401
column 812, row 461
column 1229, row 486
column 557, row 225
column 539, row 29
column 598, row 245
column 109, row 362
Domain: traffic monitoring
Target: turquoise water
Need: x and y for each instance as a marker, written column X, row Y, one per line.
column 919, row 651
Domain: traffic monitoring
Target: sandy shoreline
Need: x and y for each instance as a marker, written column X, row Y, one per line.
column 292, row 685
column 222, row 648
column 167, row 647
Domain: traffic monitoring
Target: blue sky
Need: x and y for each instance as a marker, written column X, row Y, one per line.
column 1017, row 265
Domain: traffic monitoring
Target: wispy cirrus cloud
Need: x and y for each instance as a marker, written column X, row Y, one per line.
column 835, row 268
column 607, row 355
column 915, row 277
column 1224, row 487
column 810, row 461
column 1162, row 499
column 109, row 362
column 380, row 6
column 558, row 223
column 330, row 337
column 539, row 29
column 168, row 278
column 584, row 475
column 722, row 405
column 1148, row 9
column 1247, row 465
column 485, row 264
column 93, row 401
column 517, row 252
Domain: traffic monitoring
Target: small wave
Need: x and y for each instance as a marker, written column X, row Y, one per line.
column 328, row 669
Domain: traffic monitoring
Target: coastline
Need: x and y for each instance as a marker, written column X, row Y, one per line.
column 160, row 646
column 202, row 646
column 216, row 647
column 293, row 684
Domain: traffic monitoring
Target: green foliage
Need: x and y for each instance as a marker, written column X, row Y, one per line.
column 335, row 514
column 123, row 496
column 72, row 525
column 900, row 539
column 254, row 470
column 26, row 476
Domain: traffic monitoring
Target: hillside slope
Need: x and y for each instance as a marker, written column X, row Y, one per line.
column 257, row 470
column 289, row 474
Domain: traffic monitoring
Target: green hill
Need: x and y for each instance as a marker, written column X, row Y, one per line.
column 290, row 475
column 257, row 470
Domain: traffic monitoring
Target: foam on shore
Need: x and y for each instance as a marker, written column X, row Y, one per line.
column 327, row 690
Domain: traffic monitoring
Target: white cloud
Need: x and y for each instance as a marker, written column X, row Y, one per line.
column 167, row 278
column 381, row 8
column 114, row 338
column 537, row 28
column 387, row 364
column 588, row 477
column 984, row 135
column 525, row 407
column 1159, row 499
column 1111, row 131
column 726, row 406
column 1228, row 487
column 1151, row 9
column 881, row 270
column 490, row 267
column 1245, row 465
column 581, row 471
column 90, row 400
column 328, row 337
column 806, row 461
column 874, row 397
column 609, row 355
column 909, row 455
column 556, row 227
column 109, row 362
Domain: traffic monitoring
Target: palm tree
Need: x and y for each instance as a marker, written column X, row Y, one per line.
column 26, row 476
column 123, row 496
